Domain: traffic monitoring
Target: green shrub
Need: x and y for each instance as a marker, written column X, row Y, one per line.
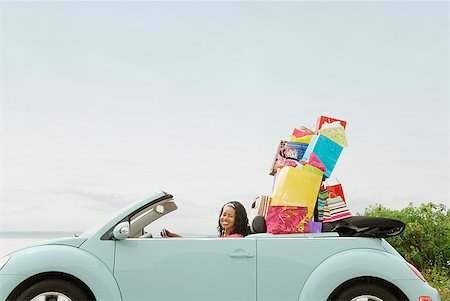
column 438, row 279
column 425, row 242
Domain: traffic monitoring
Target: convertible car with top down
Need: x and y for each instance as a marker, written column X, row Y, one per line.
column 120, row 260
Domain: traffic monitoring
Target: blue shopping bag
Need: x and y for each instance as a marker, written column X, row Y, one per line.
column 326, row 149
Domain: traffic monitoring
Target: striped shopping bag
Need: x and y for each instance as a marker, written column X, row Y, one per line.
column 335, row 209
column 321, row 201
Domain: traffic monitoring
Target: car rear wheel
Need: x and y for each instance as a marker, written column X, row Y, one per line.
column 366, row 292
column 366, row 298
column 53, row 290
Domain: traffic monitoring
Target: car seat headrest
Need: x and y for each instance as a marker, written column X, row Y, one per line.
column 258, row 224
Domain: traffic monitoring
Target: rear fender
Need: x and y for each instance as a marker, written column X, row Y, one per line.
column 351, row 264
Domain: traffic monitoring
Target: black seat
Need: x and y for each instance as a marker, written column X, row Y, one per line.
column 258, row 224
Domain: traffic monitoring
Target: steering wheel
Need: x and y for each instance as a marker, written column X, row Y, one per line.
column 146, row 235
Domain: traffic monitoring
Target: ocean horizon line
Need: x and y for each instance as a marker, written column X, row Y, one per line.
column 37, row 234
column 58, row 234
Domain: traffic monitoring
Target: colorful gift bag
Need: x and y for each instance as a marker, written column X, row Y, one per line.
column 285, row 156
column 295, row 150
column 279, row 160
column 297, row 187
column 332, row 128
column 337, row 134
column 326, row 149
column 321, row 201
column 335, row 190
column 324, row 121
column 301, row 133
column 288, row 154
column 335, row 209
column 260, row 205
column 287, row 220
column 314, row 227
column 303, row 139
column 313, row 160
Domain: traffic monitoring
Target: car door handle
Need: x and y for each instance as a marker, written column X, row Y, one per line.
column 241, row 255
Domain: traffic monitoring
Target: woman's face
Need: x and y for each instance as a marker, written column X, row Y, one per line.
column 227, row 218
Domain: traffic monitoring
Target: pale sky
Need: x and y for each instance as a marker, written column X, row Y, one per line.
column 103, row 103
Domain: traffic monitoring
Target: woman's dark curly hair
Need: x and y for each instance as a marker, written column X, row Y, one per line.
column 241, row 220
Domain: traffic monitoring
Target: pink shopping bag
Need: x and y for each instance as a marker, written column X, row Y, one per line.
column 287, row 219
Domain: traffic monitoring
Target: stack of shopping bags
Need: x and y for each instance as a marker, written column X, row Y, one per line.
column 304, row 196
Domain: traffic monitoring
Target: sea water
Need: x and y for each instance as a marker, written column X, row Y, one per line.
column 13, row 240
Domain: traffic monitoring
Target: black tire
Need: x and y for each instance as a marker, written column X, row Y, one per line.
column 369, row 292
column 53, row 288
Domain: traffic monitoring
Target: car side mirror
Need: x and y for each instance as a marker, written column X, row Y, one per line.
column 160, row 209
column 121, row 231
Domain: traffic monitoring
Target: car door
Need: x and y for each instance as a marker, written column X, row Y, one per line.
column 186, row 269
column 284, row 264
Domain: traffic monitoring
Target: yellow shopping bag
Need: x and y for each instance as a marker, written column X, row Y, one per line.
column 297, row 187
column 337, row 134
column 304, row 139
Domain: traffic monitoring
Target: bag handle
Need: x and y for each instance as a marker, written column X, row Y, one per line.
column 331, row 182
column 332, row 193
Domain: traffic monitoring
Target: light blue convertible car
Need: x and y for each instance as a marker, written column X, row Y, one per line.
column 119, row 260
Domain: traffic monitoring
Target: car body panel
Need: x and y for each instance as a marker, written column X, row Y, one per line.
column 354, row 263
column 66, row 241
column 103, row 250
column 65, row 259
column 187, row 269
column 282, row 272
column 415, row 288
column 260, row 267
column 8, row 282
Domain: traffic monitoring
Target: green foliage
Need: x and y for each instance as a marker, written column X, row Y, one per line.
column 425, row 242
column 438, row 279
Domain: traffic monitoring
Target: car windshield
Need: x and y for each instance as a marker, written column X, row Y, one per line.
column 103, row 221
column 148, row 214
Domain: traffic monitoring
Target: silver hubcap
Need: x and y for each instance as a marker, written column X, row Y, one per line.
column 366, row 298
column 51, row 296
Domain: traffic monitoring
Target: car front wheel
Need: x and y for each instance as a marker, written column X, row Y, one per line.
column 367, row 292
column 53, row 290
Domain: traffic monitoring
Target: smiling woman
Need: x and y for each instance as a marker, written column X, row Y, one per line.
column 233, row 221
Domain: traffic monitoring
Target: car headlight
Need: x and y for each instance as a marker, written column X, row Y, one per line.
column 4, row 260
